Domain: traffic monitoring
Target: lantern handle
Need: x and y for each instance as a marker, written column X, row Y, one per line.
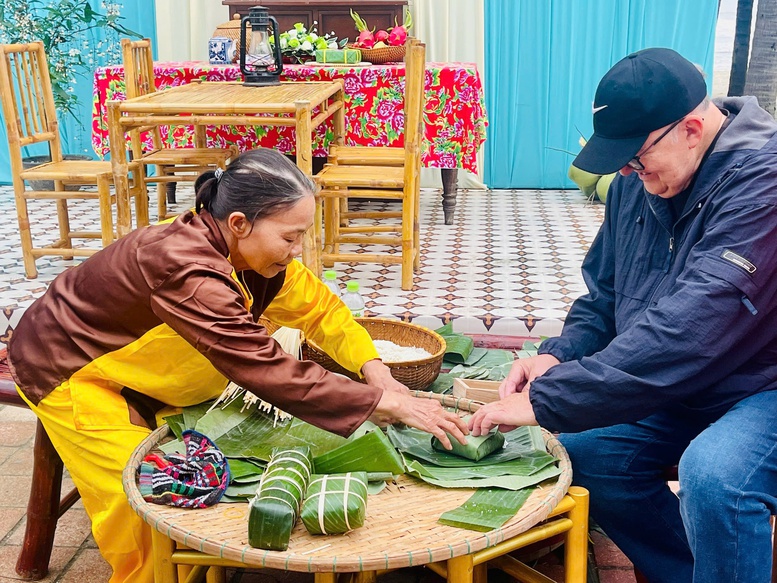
column 277, row 46
column 243, row 47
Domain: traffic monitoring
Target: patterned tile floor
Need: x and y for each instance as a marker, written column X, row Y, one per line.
column 509, row 265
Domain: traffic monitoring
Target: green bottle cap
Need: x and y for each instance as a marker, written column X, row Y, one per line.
column 352, row 286
column 330, row 275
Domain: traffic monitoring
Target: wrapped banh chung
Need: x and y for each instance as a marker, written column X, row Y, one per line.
column 275, row 508
column 477, row 447
column 335, row 503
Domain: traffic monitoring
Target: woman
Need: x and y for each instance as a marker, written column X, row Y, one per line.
column 164, row 316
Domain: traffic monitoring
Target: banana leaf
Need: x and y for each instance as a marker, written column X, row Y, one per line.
column 275, row 508
column 458, row 347
column 486, row 509
column 193, row 414
column 442, row 384
column 176, row 424
column 241, row 467
column 371, row 452
column 454, row 357
column 241, row 492
column 252, row 433
column 519, row 442
column 508, row 482
column 476, row 448
column 335, row 503
column 523, row 466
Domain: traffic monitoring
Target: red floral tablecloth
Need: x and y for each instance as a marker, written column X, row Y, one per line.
column 454, row 114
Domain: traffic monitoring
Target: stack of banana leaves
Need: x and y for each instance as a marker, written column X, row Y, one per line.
column 505, row 478
column 248, row 437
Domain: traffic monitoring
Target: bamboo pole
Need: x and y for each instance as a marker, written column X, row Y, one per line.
column 120, row 168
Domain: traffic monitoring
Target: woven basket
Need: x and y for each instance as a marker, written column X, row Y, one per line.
column 231, row 29
column 382, row 55
column 416, row 374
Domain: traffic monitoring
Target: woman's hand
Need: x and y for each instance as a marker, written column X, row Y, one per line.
column 378, row 375
column 508, row 413
column 524, row 371
column 423, row 414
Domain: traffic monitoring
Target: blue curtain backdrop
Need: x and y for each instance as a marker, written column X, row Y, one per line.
column 139, row 16
column 544, row 59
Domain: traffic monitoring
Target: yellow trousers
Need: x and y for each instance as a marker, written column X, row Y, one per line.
column 95, row 458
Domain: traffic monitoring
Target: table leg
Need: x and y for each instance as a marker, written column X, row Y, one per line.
column 576, row 547
column 162, row 550
column 325, row 578
column 450, row 177
column 120, row 169
column 461, row 569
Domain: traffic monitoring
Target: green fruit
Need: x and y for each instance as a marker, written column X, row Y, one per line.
column 603, row 186
column 585, row 181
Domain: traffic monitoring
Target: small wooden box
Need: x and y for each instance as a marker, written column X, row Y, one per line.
column 483, row 391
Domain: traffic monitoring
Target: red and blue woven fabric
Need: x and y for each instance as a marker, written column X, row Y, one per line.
column 197, row 479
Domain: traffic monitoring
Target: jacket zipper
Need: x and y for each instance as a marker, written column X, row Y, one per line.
column 670, row 255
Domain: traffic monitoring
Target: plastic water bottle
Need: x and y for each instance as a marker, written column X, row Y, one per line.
column 353, row 299
column 330, row 281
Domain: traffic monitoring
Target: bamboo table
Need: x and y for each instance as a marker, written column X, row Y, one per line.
column 401, row 530
column 301, row 105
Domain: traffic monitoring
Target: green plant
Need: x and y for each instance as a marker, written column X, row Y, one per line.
column 63, row 26
column 299, row 44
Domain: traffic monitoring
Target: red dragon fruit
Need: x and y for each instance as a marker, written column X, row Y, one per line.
column 366, row 39
column 381, row 36
column 398, row 35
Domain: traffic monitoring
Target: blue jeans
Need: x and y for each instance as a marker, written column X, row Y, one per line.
column 718, row 530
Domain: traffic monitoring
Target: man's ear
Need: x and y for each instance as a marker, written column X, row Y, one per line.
column 239, row 225
column 694, row 130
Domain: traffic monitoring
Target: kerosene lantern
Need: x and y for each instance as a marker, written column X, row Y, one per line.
column 259, row 63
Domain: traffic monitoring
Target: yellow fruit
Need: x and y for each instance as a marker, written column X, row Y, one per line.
column 379, row 45
column 603, row 186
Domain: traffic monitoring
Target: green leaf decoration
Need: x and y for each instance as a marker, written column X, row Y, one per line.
column 335, row 503
column 520, row 442
column 371, row 452
column 486, row 509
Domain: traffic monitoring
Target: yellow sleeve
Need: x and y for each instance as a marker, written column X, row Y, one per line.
column 304, row 302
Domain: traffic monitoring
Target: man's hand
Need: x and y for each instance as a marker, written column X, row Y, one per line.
column 524, row 371
column 378, row 375
column 423, row 414
column 508, row 413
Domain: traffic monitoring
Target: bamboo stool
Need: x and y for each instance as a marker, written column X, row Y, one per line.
column 401, row 531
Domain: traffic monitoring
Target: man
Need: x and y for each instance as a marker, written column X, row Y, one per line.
column 671, row 356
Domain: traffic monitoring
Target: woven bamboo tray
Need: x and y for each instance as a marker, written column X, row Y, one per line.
column 382, row 55
column 415, row 374
column 401, row 528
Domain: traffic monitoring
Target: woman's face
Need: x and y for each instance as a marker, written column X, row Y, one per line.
column 270, row 244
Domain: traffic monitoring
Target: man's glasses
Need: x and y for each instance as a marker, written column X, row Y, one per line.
column 635, row 163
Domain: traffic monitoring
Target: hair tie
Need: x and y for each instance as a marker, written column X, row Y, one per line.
column 218, row 174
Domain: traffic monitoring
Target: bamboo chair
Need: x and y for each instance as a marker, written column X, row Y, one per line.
column 172, row 164
column 30, row 118
column 375, row 173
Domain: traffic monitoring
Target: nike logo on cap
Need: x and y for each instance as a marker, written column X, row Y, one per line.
column 596, row 109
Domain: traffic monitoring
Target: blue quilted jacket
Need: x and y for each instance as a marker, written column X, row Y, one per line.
column 678, row 315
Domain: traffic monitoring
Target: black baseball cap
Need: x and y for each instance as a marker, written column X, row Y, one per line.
column 641, row 93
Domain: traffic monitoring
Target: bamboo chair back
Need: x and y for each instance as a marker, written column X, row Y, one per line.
column 384, row 173
column 139, row 80
column 28, row 100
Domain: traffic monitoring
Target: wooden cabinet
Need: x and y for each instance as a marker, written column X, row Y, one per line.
column 331, row 15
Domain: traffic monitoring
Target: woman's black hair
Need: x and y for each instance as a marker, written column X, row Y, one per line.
column 257, row 183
